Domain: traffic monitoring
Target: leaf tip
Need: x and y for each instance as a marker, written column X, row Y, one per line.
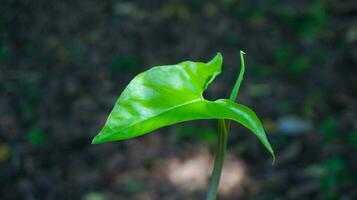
column 242, row 52
column 217, row 60
column 273, row 156
column 96, row 140
column 271, row 151
column 219, row 57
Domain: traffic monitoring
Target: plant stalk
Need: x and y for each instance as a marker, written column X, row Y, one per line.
column 219, row 160
column 223, row 129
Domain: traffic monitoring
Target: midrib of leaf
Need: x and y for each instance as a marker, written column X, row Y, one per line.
column 162, row 113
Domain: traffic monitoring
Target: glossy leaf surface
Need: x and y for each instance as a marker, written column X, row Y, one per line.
column 167, row 95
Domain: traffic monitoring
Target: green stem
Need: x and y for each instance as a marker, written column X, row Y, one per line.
column 218, row 164
column 224, row 126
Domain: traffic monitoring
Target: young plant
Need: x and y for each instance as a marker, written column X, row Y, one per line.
column 166, row 95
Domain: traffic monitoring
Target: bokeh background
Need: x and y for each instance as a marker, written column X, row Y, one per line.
column 64, row 63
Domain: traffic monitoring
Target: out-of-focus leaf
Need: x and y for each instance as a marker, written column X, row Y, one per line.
column 131, row 186
column 197, row 133
column 167, row 95
column 352, row 138
column 3, row 52
column 283, row 53
column 36, row 137
column 124, row 63
column 299, row 65
column 329, row 129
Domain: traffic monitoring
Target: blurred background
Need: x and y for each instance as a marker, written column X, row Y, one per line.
column 64, row 63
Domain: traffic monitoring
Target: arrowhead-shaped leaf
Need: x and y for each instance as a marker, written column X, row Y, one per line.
column 167, row 95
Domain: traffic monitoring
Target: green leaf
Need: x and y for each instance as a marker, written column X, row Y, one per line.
column 171, row 94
